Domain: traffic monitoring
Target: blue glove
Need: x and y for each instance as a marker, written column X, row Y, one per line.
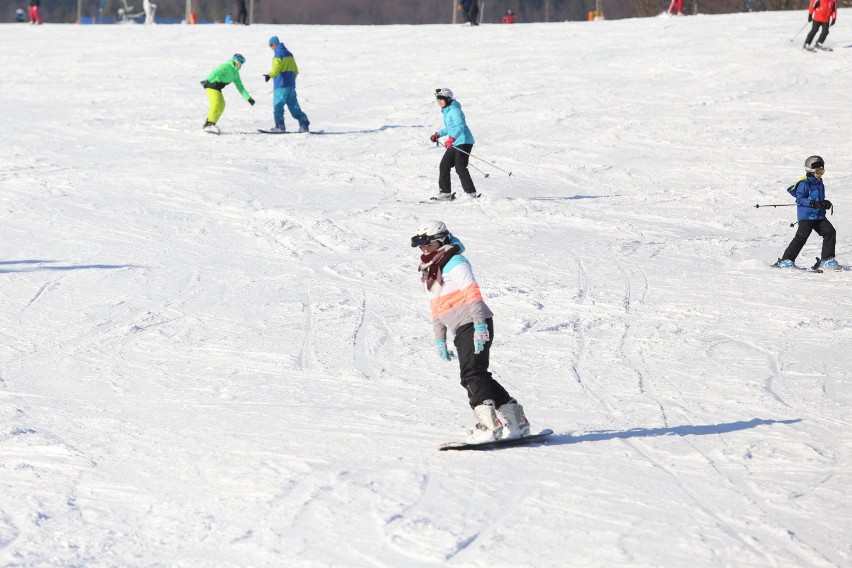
column 480, row 337
column 445, row 355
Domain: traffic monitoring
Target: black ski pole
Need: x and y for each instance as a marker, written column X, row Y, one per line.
column 798, row 32
column 484, row 174
column 776, row 205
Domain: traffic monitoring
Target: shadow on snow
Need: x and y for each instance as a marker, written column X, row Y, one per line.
column 688, row 430
column 25, row 266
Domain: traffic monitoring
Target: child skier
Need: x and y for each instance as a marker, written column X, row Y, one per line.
column 459, row 144
column 811, row 207
column 218, row 79
column 457, row 304
column 284, row 71
column 823, row 13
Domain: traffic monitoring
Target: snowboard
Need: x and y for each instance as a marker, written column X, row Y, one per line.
column 511, row 442
column 798, row 268
column 814, row 268
column 290, row 131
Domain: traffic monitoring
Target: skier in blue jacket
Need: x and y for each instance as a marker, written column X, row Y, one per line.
column 811, row 207
column 458, row 144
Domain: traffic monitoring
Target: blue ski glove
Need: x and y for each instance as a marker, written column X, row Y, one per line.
column 480, row 337
column 445, row 355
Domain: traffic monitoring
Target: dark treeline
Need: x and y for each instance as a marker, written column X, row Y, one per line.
column 395, row 11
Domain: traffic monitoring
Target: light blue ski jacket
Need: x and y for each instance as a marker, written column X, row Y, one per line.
column 455, row 125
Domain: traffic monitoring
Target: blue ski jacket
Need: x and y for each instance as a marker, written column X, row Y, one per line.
column 455, row 125
column 806, row 190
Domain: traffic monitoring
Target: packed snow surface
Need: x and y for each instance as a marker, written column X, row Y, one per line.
column 216, row 351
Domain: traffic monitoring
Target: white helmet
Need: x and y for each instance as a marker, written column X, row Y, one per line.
column 431, row 231
column 813, row 163
column 444, row 94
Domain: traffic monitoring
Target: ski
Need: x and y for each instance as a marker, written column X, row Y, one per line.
column 496, row 444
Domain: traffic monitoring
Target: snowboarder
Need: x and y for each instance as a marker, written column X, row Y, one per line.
column 811, row 207
column 35, row 15
column 284, row 71
column 458, row 145
column 823, row 13
column 218, row 79
column 457, row 305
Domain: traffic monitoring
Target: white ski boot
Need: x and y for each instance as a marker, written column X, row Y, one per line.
column 211, row 128
column 511, row 416
column 488, row 428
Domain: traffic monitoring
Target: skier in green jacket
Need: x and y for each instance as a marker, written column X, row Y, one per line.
column 217, row 80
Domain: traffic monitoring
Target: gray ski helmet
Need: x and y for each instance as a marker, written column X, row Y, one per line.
column 431, row 231
column 813, row 163
column 445, row 94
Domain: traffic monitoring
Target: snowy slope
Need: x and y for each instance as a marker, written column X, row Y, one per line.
column 214, row 351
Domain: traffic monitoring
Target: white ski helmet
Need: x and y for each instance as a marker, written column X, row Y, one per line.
column 813, row 163
column 431, row 231
column 445, row 94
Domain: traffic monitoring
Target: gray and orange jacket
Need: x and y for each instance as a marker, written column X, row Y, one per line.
column 458, row 301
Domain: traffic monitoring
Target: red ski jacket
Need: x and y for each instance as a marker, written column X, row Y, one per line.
column 823, row 10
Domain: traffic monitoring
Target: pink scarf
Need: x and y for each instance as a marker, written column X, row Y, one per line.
column 431, row 265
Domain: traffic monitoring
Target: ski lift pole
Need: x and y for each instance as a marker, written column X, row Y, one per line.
column 481, row 160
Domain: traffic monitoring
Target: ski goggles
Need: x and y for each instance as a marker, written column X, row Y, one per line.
column 819, row 171
column 420, row 240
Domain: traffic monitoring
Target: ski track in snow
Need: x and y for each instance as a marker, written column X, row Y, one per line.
column 215, row 351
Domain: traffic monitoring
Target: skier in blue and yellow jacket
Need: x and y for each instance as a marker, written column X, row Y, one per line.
column 811, row 206
column 284, row 72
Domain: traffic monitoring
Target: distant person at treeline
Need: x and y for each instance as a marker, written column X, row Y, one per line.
column 242, row 13
column 471, row 11
column 823, row 13
column 35, row 17
column 509, row 18
column 20, row 15
column 676, row 7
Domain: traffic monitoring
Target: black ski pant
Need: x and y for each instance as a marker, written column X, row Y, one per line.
column 475, row 378
column 813, row 32
column 453, row 158
column 242, row 13
column 823, row 228
column 472, row 13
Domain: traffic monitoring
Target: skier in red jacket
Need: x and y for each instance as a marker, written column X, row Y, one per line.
column 823, row 13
